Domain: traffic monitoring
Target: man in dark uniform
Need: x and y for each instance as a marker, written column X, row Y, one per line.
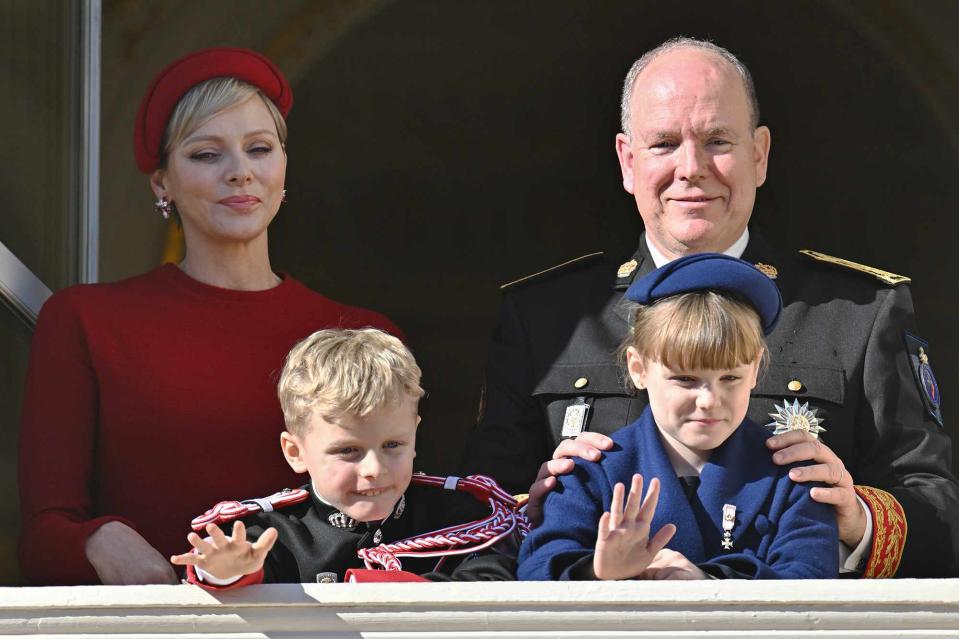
column 845, row 364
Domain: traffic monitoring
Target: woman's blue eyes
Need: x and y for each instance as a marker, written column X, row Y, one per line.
column 212, row 156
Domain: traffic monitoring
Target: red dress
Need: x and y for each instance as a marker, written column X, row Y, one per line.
column 149, row 399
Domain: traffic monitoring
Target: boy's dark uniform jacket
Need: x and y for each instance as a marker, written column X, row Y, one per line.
column 309, row 549
column 841, row 340
column 778, row 531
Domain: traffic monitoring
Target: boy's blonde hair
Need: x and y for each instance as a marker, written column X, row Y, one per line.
column 341, row 372
column 699, row 330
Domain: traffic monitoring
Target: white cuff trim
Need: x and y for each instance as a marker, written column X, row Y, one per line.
column 850, row 560
column 207, row 578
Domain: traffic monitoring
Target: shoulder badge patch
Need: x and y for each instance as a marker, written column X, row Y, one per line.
column 227, row 511
column 918, row 351
column 884, row 276
column 553, row 270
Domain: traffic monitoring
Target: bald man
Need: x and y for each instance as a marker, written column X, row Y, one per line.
column 849, row 385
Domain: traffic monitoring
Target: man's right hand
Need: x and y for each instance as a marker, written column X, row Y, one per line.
column 122, row 557
column 588, row 446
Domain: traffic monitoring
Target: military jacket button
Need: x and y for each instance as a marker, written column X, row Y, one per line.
column 795, row 386
column 581, row 382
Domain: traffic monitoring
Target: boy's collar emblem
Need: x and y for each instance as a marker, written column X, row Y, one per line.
column 795, row 417
column 341, row 520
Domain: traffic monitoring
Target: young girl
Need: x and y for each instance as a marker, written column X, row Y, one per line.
column 716, row 505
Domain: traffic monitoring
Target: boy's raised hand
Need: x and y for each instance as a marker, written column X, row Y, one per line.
column 623, row 546
column 225, row 557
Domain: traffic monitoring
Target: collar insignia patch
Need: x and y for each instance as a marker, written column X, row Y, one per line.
column 626, row 269
column 768, row 270
column 341, row 520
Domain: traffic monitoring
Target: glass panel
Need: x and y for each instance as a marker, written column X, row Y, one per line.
column 37, row 192
column 14, row 347
column 38, row 223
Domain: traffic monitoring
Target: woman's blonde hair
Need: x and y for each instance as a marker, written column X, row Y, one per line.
column 341, row 372
column 700, row 330
column 206, row 100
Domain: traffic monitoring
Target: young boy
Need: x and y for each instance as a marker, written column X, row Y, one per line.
column 349, row 400
column 716, row 505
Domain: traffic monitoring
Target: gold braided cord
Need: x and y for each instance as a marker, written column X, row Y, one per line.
column 889, row 532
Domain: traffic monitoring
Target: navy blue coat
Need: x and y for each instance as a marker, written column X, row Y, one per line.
column 779, row 533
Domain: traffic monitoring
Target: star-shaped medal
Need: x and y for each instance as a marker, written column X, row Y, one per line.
column 795, row 417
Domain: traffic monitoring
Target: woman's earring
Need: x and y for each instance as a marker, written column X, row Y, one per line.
column 164, row 207
column 283, row 197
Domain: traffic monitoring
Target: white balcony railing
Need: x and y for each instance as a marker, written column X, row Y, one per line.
column 710, row 609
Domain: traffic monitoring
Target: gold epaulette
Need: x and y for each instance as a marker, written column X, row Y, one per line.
column 885, row 276
column 553, row 270
column 889, row 529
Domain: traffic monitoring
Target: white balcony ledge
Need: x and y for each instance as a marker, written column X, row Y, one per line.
column 733, row 609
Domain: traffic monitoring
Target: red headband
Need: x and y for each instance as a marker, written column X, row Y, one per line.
column 185, row 73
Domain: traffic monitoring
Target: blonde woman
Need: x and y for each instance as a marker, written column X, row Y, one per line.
column 150, row 398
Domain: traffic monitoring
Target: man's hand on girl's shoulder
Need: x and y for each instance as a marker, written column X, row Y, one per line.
column 588, row 446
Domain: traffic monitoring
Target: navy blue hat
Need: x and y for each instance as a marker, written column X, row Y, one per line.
column 716, row 272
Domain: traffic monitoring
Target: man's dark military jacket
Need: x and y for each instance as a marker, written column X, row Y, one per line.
column 841, row 337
